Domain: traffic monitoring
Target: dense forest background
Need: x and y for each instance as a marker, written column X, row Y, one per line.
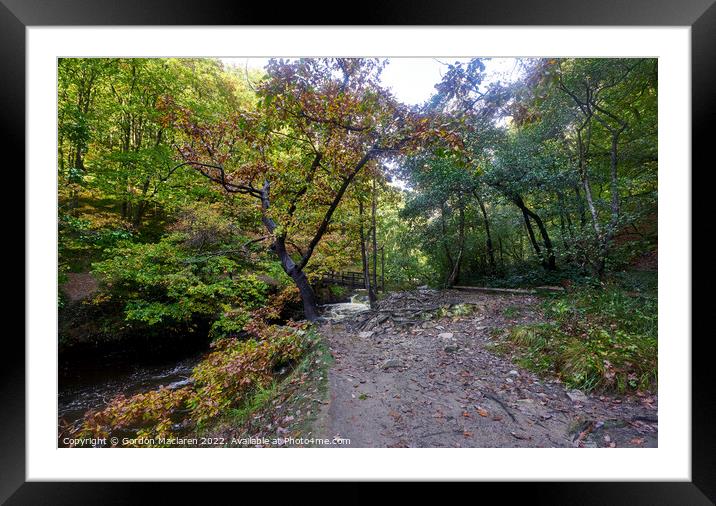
column 557, row 169
column 196, row 199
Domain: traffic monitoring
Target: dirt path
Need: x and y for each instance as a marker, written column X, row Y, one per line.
column 438, row 385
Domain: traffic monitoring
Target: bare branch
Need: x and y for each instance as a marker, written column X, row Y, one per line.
column 332, row 208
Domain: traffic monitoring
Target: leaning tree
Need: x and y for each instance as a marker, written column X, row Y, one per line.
column 317, row 125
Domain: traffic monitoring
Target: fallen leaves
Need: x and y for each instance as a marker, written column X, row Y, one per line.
column 464, row 401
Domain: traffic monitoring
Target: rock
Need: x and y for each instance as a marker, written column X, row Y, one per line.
column 514, row 373
column 366, row 334
column 451, row 348
column 445, row 335
column 576, row 396
column 391, row 362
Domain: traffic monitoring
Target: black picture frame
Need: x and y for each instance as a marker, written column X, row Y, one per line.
column 700, row 15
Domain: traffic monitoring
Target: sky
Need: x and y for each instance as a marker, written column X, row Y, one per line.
column 413, row 79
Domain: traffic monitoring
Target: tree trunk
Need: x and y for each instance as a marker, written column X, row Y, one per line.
column 549, row 262
column 531, row 234
column 451, row 264
column 614, row 186
column 308, row 297
column 502, row 258
column 374, row 231
column 382, row 268
column 141, row 207
column 364, row 259
column 455, row 273
column 490, row 249
column 606, row 236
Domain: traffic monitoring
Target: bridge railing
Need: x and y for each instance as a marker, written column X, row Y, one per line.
column 350, row 279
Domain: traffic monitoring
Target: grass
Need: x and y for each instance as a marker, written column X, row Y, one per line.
column 259, row 399
column 511, row 311
column 596, row 339
column 294, row 390
column 316, row 360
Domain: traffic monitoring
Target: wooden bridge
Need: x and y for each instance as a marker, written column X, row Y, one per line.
column 350, row 279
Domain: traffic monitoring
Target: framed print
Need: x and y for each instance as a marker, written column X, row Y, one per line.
column 424, row 252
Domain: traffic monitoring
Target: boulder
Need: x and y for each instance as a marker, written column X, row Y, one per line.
column 576, row 396
column 391, row 362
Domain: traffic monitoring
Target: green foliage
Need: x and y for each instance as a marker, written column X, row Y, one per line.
column 238, row 367
column 539, row 143
column 597, row 339
column 236, row 374
column 261, row 396
column 338, row 291
column 113, row 137
column 146, row 415
column 230, row 323
column 313, row 364
column 84, row 238
column 484, row 162
column 511, row 311
column 165, row 283
column 407, row 263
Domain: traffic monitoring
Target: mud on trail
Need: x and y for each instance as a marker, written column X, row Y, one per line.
column 398, row 382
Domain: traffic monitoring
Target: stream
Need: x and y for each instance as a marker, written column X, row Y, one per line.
column 91, row 384
column 89, row 387
column 357, row 303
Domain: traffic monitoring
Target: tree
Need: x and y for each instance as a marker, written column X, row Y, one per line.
column 501, row 157
column 79, row 81
column 605, row 92
column 321, row 122
column 595, row 121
